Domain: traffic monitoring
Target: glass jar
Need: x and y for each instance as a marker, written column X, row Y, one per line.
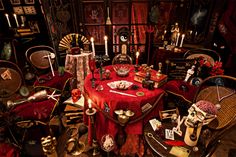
column 122, row 64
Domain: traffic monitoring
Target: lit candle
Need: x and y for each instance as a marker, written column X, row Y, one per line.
column 8, row 21
column 17, row 24
column 177, row 40
column 163, row 36
column 93, row 48
column 190, row 32
column 137, row 55
column 182, row 40
column 89, row 103
column 106, row 48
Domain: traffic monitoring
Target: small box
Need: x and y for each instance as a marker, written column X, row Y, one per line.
column 158, row 80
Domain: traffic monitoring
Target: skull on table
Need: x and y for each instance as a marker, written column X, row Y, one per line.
column 75, row 94
column 203, row 112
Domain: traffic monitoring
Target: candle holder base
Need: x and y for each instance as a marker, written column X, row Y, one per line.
column 90, row 111
column 136, row 68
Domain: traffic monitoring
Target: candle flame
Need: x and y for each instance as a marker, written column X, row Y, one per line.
column 183, row 35
column 92, row 39
column 137, row 54
column 105, row 38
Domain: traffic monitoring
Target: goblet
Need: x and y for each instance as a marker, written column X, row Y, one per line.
column 92, row 67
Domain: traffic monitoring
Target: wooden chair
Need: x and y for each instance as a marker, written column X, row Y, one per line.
column 11, row 78
column 37, row 56
column 208, row 54
column 220, row 90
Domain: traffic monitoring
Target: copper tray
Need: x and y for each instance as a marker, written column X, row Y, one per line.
column 9, row 87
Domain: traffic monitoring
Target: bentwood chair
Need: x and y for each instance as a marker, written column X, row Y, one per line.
column 42, row 58
column 221, row 91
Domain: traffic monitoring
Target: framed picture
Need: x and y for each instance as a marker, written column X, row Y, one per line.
column 13, row 2
column 1, row 5
column 94, row 13
column 29, row 1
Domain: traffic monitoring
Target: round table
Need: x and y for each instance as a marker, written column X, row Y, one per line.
column 107, row 102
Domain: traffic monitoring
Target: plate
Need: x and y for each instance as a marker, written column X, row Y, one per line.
column 122, row 84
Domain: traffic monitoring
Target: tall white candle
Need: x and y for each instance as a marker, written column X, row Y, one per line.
column 15, row 16
column 106, row 48
column 8, row 21
column 89, row 103
column 137, row 55
column 182, row 40
column 93, row 47
column 177, row 40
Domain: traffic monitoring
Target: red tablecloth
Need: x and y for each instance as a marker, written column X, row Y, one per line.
column 116, row 101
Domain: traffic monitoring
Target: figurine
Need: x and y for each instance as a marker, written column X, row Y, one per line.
column 190, row 72
column 159, row 69
column 174, row 31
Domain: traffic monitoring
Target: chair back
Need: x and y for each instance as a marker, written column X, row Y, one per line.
column 208, row 54
column 11, row 78
column 221, row 91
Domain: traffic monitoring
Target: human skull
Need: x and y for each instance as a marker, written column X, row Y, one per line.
column 75, row 94
column 203, row 112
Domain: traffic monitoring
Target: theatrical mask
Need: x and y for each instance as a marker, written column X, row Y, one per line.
column 201, row 113
column 75, row 94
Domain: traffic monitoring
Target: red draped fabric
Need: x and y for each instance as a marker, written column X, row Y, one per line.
column 56, row 82
column 7, row 150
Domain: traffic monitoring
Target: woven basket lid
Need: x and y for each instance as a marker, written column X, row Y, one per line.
column 9, row 86
column 227, row 112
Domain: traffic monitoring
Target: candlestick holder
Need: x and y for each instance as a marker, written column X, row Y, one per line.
column 136, row 68
column 101, row 59
column 91, row 112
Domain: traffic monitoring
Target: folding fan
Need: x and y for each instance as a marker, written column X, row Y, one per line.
column 65, row 42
